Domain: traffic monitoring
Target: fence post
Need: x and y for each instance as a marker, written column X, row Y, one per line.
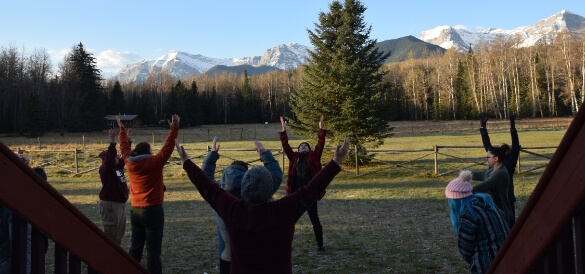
column 357, row 166
column 518, row 167
column 282, row 149
column 436, row 148
column 39, row 141
column 76, row 161
column 83, row 141
column 153, row 138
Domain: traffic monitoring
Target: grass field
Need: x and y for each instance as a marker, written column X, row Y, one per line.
column 392, row 220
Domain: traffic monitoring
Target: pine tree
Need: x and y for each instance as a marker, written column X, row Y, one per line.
column 117, row 102
column 84, row 102
column 343, row 79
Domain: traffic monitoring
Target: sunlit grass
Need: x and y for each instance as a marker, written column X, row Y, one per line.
column 391, row 219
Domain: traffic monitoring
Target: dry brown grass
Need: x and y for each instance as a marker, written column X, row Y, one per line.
column 393, row 221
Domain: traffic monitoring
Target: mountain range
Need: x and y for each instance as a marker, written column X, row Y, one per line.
column 288, row 56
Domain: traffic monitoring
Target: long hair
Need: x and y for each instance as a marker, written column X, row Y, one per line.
column 456, row 206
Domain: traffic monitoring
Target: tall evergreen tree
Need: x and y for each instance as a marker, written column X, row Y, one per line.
column 343, row 79
column 84, row 102
column 116, row 101
column 193, row 105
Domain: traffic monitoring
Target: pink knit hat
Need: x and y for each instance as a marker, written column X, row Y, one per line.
column 460, row 187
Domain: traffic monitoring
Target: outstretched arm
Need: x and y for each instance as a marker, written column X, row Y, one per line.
column 485, row 138
column 124, row 139
column 515, row 149
column 271, row 164
column 284, row 141
column 283, row 123
column 112, row 136
column 341, row 151
column 321, row 139
column 208, row 164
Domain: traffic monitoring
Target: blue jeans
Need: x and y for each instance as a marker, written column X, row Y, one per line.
column 147, row 227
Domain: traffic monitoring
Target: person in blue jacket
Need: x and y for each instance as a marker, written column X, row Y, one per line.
column 231, row 181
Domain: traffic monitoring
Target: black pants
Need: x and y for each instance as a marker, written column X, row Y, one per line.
column 314, row 217
column 147, row 227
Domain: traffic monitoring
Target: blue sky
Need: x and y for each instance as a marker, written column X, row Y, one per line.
column 127, row 31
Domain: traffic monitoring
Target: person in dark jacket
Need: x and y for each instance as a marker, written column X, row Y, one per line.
column 512, row 154
column 261, row 229
column 114, row 192
column 231, row 181
column 303, row 165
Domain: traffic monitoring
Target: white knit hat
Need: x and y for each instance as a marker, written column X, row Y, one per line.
column 460, row 187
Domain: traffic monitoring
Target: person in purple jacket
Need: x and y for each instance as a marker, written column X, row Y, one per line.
column 114, row 193
column 261, row 229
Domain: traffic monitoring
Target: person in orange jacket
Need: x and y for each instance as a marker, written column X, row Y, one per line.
column 147, row 188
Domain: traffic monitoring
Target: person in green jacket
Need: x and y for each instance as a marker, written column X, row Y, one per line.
column 495, row 181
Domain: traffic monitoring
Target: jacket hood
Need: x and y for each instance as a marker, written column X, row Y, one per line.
column 103, row 155
column 138, row 158
column 231, row 179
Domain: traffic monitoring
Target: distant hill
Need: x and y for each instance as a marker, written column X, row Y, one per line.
column 251, row 70
column 400, row 47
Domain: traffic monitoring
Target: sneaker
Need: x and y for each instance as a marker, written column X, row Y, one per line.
column 320, row 248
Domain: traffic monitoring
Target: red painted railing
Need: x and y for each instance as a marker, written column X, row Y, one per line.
column 77, row 239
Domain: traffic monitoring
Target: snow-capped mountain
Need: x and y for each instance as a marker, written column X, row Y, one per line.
column 181, row 64
column 461, row 38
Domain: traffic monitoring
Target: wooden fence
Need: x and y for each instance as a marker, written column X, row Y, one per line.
column 438, row 160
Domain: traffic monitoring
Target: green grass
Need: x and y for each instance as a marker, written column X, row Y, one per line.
column 391, row 221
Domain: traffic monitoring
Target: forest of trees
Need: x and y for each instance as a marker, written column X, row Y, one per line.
column 497, row 78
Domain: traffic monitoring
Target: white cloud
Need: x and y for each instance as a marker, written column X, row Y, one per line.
column 110, row 61
column 57, row 56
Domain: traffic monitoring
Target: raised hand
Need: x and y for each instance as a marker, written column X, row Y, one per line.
column 214, row 145
column 130, row 134
column 112, row 135
column 120, row 124
column 283, row 123
column 259, row 147
column 321, row 122
column 512, row 121
column 341, row 151
column 483, row 120
column 175, row 120
column 182, row 152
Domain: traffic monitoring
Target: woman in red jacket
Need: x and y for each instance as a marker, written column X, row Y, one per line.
column 302, row 167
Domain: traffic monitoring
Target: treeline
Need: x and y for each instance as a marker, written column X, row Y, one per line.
column 498, row 78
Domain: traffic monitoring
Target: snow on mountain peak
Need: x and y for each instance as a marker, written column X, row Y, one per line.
column 181, row 64
column 461, row 37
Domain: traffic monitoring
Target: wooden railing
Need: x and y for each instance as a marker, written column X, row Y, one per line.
column 77, row 239
column 548, row 236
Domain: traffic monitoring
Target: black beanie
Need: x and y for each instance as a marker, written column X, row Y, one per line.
column 305, row 144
